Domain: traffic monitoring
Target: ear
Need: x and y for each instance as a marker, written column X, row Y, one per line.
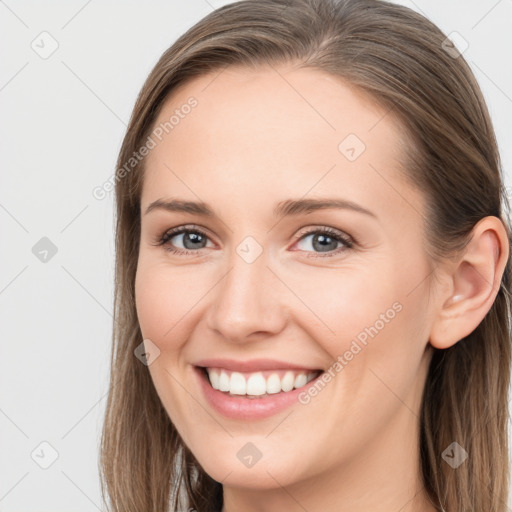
column 473, row 283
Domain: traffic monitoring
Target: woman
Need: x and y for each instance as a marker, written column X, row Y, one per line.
column 313, row 271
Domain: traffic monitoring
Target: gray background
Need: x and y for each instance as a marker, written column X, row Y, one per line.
column 63, row 118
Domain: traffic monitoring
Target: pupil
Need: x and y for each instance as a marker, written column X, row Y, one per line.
column 194, row 238
column 323, row 247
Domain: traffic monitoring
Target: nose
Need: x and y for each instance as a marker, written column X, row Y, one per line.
column 247, row 304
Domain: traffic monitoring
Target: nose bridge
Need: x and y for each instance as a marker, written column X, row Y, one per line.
column 246, row 301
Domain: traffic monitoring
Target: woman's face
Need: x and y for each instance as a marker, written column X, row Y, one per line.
column 261, row 293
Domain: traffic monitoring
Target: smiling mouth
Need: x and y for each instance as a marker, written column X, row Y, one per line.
column 259, row 384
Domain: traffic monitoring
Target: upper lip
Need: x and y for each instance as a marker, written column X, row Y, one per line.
column 252, row 365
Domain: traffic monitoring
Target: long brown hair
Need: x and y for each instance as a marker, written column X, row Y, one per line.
column 403, row 62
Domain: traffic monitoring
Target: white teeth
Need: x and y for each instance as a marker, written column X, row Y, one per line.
column 224, row 382
column 237, row 384
column 273, row 384
column 214, row 378
column 288, row 381
column 255, row 384
column 300, row 380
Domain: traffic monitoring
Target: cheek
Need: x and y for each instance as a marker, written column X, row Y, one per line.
column 347, row 305
column 371, row 323
column 164, row 312
column 169, row 302
column 160, row 302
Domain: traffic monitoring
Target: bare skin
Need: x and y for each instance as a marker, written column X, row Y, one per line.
column 257, row 138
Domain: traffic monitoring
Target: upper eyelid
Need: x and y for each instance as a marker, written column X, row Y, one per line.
column 305, row 231
column 179, row 230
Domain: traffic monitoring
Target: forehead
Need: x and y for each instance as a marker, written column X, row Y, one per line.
column 272, row 133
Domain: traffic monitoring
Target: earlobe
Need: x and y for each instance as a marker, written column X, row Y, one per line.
column 474, row 282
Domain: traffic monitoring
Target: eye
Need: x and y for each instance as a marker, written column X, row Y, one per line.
column 325, row 240
column 192, row 238
column 321, row 240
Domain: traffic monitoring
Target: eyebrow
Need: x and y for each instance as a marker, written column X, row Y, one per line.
column 284, row 208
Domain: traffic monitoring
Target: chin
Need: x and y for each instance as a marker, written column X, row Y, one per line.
column 227, row 469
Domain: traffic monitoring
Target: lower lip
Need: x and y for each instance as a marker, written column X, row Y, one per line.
column 243, row 408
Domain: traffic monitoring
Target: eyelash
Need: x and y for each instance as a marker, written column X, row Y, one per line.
column 348, row 241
